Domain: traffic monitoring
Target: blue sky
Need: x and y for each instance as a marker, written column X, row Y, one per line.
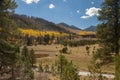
column 81, row 13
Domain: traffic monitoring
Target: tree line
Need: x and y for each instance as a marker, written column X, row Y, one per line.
column 45, row 38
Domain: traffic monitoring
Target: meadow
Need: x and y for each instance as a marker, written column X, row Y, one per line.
column 47, row 54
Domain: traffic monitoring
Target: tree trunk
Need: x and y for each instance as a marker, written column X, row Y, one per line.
column 117, row 67
column 13, row 77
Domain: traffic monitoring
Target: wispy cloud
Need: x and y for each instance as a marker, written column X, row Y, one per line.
column 78, row 11
column 64, row 0
column 51, row 6
column 91, row 12
column 84, row 17
column 31, row 1
column 92, row 2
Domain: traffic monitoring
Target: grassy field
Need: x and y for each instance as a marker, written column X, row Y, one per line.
column 78, row 55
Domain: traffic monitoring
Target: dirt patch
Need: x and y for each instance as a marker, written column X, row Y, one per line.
column 41, row 55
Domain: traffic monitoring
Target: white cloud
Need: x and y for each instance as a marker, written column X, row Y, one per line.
column 84, row 17
column 91, row 12
column 64, row 0
column 78, row 11
column 31, row 1
column 92, row 2
column 51, row 6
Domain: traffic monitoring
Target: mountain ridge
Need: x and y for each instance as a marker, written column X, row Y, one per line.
column 69, row 26
column 27, row 22
column 91, row 28
column 36, row 23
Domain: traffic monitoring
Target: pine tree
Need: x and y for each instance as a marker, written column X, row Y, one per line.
column 66, row 69
column 47, row 38
column 32, row 57
column 88, row 49
column 8, row 38
column 40, row 68
column 46, row 68
column 108, row 32
column 24, row 63
column 70, row 72
column 25, row 52
column 60, row 63
column 117, row 64
column 27, row 60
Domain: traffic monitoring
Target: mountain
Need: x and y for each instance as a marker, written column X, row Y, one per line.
column 68, row 26
column 91, row 28
column 27, row 22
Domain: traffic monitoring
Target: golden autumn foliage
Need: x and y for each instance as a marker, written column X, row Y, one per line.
column 37, row 33
column 86, row 33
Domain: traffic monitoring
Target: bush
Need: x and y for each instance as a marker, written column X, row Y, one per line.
column 64, row 50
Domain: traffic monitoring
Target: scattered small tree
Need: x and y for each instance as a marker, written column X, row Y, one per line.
column 70, row 72
column 32, row 58
column 46, row 68
column 27, row 61
column 95, row 70
column 88, row 50
column 66, row 69
column 64, row 50
column 40, row 68
column 53, row 70
column 47, row 38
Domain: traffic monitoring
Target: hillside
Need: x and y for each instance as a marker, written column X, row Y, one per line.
column 27, row 22
column 70, row 28
column 91, row 28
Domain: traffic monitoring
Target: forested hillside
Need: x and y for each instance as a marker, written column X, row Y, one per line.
column 35, row 23
column 64, row 25
column 91, row 28
column 28, row 22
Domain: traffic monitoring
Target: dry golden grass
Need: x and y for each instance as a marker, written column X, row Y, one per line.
column 87, row 33
column 78, row 55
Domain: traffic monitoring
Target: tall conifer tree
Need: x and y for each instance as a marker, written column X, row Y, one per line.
column 108, row 32
column 8, row 37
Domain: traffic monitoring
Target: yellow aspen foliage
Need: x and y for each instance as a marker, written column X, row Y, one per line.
column 86, row 33
column 37, row 33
